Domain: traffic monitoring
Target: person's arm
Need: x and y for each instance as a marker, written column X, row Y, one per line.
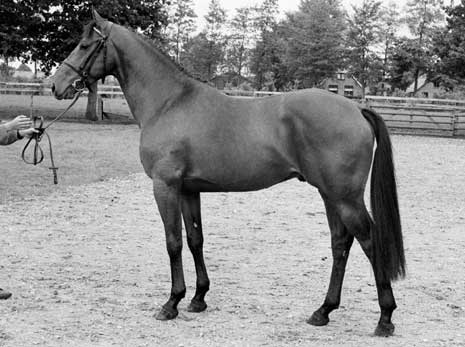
column 7, row 136
column 14, row 130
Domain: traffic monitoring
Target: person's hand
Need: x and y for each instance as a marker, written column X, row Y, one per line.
column 19, row 123
column 27, row 132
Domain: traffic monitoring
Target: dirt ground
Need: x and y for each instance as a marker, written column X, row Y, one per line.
column 88, row 266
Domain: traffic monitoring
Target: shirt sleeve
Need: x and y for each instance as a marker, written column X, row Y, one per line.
column 7, row 137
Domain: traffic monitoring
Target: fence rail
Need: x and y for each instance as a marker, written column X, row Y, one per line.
column 106, row 91
column 404, row 115
column 425, row 116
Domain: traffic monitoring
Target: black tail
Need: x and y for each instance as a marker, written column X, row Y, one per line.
column 388, row 249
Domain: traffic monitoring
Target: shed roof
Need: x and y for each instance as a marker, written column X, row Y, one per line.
column 24, row 67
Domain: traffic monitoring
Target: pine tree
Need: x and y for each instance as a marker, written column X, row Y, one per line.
column 204, row 53
column 363, row 35
column 240, row 40
column 181, row 26
column 315, row 41
column 390, row 22
column 216, row 21
column 264, row 55
column 423, row 18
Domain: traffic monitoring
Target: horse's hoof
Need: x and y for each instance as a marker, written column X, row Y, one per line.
column 317, row 319
column 197, row 306
column 384, row 329
column 167, row 313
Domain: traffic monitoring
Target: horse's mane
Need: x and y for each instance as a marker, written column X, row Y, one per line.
column 153, row 44
column 88, row 29
column 159, row 48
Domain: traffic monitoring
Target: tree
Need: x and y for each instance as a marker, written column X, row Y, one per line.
column 423, row 18
column 263, row 56
column 205, row 52
column 15, row 16
column 60, row 27
column 449, row 47
column 267, row 60
column 239, row 40
column 390, row 21
column 216, row 21
column 315, row 41
column 181, row 25
column 202, row 57
column 404, row 62
column 363, row 35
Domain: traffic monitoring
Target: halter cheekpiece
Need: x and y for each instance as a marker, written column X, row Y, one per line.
column 84, row 69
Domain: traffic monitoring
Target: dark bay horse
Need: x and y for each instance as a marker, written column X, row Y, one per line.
column 195, row 139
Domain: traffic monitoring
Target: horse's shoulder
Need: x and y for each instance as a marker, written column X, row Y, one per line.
column 166, row 157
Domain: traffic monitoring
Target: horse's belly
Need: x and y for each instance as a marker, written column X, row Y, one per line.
column 194, row 184
column 239, row 180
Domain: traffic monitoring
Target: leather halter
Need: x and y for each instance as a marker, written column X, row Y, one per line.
column 84, row 69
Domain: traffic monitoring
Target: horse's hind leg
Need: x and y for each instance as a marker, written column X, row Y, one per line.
column 190, row 205
column 341, row 241
column 358, row 222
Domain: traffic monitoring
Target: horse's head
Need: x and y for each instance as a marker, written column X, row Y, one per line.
column 87, row 63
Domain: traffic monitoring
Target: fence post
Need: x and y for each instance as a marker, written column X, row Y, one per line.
column 455, row 122
column 99, row 107
column 31, row 110
column 366, row 102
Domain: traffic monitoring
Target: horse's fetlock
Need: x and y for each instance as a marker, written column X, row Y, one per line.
column 330, row 306
column 203, row 285
column 178, row 295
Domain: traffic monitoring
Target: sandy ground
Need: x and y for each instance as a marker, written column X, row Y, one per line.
column 88, row 266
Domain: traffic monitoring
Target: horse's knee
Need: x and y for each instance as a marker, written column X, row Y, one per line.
column 194, row 241
column 174, row 248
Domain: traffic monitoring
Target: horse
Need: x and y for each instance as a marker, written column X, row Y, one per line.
column 195, row 139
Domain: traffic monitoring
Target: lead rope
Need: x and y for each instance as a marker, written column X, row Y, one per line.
column 38, row 153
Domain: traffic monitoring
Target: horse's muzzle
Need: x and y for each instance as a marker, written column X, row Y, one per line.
column 68, row 93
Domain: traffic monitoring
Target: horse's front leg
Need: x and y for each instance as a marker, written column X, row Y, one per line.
column 192, row 220
column 168, row 201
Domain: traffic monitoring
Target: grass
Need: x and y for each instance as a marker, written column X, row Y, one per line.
column 49, row 107
column 83, row 152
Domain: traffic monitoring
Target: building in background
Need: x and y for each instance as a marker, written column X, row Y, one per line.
column 24, row 72
column 343, row 84
column 428, row 89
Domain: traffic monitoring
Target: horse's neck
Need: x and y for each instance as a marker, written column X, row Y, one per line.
column 149, row 80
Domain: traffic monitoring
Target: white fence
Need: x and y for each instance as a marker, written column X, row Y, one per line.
column 105, row 91
column 406, row 115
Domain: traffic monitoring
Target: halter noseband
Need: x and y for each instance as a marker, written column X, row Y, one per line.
column 84, row 69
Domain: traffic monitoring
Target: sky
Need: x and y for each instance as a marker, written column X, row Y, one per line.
column 201, row 6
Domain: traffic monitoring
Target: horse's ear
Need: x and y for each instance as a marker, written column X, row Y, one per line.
column 98, row 19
